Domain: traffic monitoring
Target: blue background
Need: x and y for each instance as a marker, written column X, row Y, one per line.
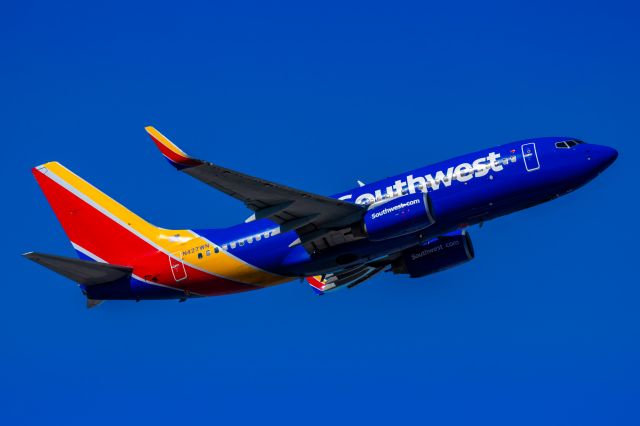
column 542, row 328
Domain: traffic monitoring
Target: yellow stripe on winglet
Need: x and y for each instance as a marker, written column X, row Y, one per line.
column 154, row 133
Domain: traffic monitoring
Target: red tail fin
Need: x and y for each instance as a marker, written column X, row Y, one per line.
column 97, row 225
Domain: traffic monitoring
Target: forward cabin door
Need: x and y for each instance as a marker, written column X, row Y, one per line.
column 530, row 156
column 177, row 267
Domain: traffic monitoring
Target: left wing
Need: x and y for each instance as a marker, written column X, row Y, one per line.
column 319, row 221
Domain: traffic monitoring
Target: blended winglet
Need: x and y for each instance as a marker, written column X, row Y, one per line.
column 348, row 278
column 317, row 284
column 177, row 157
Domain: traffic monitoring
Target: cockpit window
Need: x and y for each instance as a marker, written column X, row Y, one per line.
column 568, row 144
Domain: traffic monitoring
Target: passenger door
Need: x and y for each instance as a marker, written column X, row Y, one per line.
column 530, row 157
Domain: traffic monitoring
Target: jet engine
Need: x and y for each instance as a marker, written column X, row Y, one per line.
column 398, row 216
column 435, row 255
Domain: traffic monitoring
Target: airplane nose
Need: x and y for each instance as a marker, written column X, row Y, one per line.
column 601, row 156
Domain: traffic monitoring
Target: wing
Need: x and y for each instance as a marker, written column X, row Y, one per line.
column 319, row 221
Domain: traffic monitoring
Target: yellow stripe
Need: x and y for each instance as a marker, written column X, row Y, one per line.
column 223, row 263
column 165, row 141
column 101, row 199
column 170, row 240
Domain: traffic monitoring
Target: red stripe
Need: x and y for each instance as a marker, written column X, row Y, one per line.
column 313, row 282
column 92, row 230
column 174, row 156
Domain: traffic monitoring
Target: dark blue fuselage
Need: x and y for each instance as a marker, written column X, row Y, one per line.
column 464, row 190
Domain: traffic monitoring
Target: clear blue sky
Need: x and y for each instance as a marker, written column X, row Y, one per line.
column 543, row 327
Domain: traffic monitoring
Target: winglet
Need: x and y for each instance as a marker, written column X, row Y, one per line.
column 320, row 285
column 316, row 284
column 177, row 157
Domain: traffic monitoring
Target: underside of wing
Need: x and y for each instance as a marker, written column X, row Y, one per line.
column 348, row 278
column 320, row 221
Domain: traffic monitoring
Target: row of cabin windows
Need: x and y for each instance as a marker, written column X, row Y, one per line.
column 208, row 253
column 248, row 240
column 235, row 244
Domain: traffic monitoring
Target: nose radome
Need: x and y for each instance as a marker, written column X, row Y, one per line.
column 609, row 155
column 603, row 156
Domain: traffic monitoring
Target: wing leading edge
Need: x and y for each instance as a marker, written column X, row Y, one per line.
column 319, row 220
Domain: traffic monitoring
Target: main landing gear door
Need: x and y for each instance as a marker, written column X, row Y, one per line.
column 177, row 267
column 530, row 156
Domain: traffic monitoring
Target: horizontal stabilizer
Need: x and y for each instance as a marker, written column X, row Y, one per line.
column 84, row 272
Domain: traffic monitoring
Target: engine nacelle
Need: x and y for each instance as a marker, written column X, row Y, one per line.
column 399, row 216
column 435, row 255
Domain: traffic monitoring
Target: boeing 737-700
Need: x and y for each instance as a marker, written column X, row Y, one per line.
column 412, row 224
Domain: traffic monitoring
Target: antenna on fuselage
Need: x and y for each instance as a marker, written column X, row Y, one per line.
column 360, row 183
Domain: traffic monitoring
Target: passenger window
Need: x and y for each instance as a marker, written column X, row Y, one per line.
column 215, row 250
column 233, row 245
column 241, row 242
column 225, row 247
column 258, row 237
column 250, row 240
column 199, row 255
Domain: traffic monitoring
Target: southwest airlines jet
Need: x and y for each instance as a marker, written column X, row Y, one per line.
column 411, row 224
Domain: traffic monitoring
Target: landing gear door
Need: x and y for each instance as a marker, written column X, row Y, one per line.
column 530, row 156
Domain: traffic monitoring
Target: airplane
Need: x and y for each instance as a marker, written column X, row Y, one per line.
column 413, row 224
